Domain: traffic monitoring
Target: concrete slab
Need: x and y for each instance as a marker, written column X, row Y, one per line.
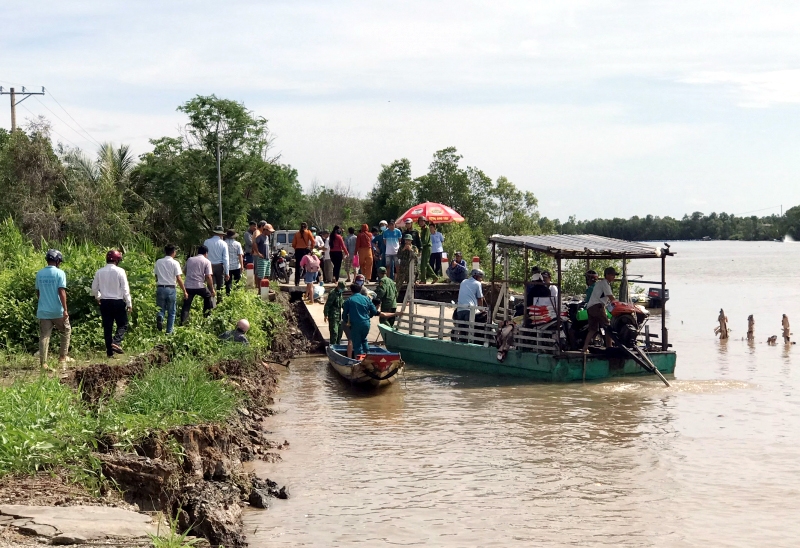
column 90, row 522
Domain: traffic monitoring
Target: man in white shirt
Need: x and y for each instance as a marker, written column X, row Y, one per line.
column 168, row 275
column 218, row 255
column 199, row 282
column 327, row 264
column 110, row 288
column 596, row 307
column 235, row 259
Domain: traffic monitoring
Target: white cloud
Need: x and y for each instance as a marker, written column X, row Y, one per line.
column 756, row 89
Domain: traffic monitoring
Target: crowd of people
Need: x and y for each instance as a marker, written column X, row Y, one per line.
column 331, row 255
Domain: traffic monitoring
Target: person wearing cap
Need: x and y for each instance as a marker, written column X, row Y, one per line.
column 218, row 255
column 437, row 249
column 261, row 257
column 364, row 250
column 303, row 242
column 457, row 270
column 382, row 226
column 391, row 242
column 319, row 241
column 425, row 269
column 235, row 259
column 333, row 313
column 199, row 283
column 470, row 294
column 591, row 279
column 248, row 242
column 407, row 256
column 110, row 288
column 386, row 296
column 414, row 234
column 239, row 334
column 357, row 311
column 602, row 295
column 168, row 275
column 51, row 310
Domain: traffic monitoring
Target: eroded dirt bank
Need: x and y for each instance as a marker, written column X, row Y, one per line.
column 194, row 472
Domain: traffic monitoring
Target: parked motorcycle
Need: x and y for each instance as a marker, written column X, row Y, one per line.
column 626, row 320
column 280, row 267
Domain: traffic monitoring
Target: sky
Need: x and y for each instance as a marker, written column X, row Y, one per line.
column 600, row 108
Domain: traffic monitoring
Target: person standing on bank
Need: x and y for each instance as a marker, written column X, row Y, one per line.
column 261, row 257
column 218, row 255
column 437, row 250
column 199, row 282
column 51, row 290
column 248, row 242
column 327, row 262
column 168, row 275
column 303, row 243
column 425, row 269
column 350, row 244
column 596, row 307
column 235, row 260
column 338, row 252
column 391, row 239
column 110, row 288
column 364, row 250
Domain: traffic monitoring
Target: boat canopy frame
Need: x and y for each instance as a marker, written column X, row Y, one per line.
column 581, row 246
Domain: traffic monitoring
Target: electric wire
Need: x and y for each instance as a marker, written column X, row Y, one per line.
column 50, row 94
column 51, row 129
column 757, row 210
column 65, row 122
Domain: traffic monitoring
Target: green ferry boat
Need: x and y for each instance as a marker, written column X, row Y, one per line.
column 427, row 335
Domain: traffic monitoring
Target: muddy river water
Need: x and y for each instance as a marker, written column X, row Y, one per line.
column 448, row 459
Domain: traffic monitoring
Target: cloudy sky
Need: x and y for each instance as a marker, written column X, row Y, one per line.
column 601, row 108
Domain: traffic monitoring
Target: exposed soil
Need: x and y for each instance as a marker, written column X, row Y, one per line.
column 194, row 472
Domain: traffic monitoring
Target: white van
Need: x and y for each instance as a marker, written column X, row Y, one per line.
column 282, row 239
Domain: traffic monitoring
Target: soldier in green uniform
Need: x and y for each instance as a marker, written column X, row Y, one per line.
column 333, row 313
column 406, row 256
column 387, row 296
column 425, row 269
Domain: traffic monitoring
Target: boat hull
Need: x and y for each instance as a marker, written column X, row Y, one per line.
column 529, row 365
column 379, row 367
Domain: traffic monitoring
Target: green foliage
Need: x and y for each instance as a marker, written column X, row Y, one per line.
column 176, row 394
column 173, row 538
column 179, row 177
column 44, row 424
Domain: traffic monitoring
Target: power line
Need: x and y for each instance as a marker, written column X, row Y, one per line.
column 757, row 210
column 51, row 129
column 73, row 119
column 64, row 122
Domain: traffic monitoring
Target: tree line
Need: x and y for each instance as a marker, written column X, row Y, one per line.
column 53, row 192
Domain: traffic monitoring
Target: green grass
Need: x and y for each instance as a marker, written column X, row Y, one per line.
column 172, row 538
column 176, row 394
column 44, row 425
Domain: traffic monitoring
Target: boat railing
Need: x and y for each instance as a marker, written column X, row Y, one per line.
column 440, row 325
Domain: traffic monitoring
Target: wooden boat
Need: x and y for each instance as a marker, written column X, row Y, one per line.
column 542, row 351
column 378, row 368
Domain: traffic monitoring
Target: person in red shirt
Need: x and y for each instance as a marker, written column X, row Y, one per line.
column 364, row 250
column 338, row 251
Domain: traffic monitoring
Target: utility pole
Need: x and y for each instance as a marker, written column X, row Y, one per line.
column 219, row 182
column 13, row 93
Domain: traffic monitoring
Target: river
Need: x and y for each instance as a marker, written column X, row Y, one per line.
column 451, row 460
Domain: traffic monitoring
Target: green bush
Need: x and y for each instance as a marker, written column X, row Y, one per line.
column 44, row 424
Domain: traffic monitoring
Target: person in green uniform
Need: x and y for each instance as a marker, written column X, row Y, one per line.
column 406, row 256
column 425, row 269
column 333, row 313
column 387, row 296
column 358, row 309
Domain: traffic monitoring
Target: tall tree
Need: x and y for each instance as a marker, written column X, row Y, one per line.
column 394, row 192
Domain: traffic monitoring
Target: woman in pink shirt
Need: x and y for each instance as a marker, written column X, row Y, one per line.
column 310, row 263
column 338, row 252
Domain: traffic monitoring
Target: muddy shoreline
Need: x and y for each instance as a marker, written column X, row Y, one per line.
column 194, row 472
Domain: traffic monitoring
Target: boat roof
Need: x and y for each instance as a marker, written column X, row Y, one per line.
column 582, row 246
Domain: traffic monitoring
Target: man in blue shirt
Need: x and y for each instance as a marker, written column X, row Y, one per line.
column 457, row 271
column 470, row 293
column 218, row 255
column 51, row 289
column 391, row 241
column 358, row 309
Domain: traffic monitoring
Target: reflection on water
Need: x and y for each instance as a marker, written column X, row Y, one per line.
column 444, row 459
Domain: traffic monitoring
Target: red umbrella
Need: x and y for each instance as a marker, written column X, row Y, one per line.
column 435, row 213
